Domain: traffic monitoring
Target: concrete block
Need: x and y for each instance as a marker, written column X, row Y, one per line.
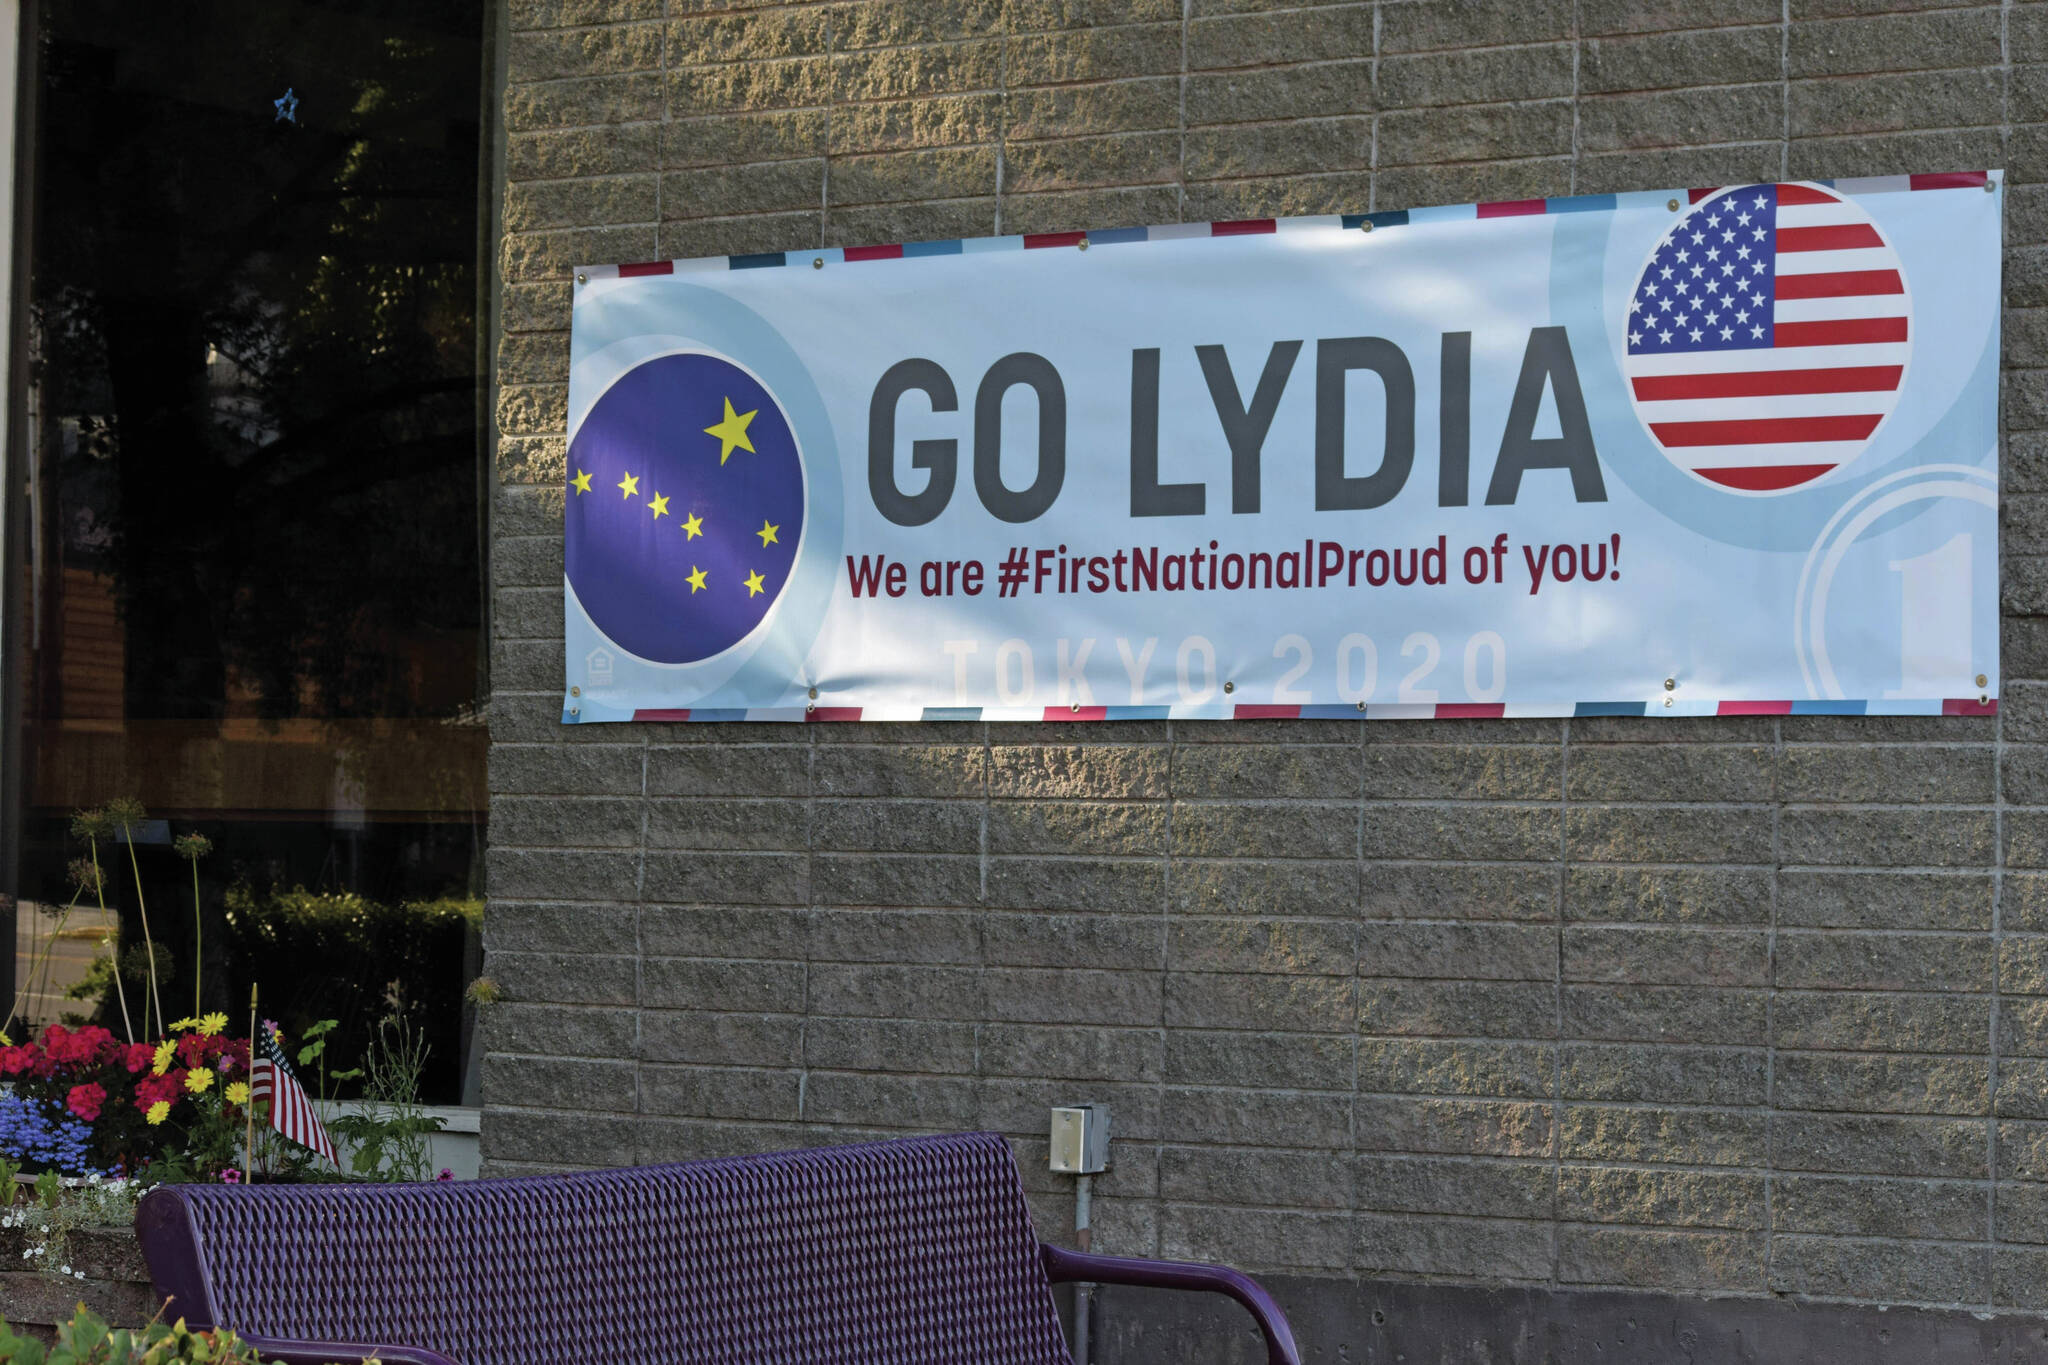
column 1494, row 1248
column 1668, row 895
column 1646, row 1073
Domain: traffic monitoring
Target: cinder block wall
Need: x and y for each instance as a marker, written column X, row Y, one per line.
column 1755, row 1006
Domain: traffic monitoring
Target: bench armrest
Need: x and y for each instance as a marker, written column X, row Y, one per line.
column 1062, row 1266
column 342, row 1353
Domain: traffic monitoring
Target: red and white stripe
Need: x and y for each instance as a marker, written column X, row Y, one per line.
column 1772, row 420
column 291, row 1111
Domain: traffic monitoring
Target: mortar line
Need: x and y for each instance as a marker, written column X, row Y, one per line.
column 1771, row 1003
column 1991, row 1155
column 1572, row 175
column 825, row 153
column 1165, row 973
column 1372, row 176
column 1991, row 1134
column 640, row 953
column 1785, row 89
column 1180, row 168
column 807, row 928
column 661, row 138
column 988, row 779
column 1351, row 1254
column 1002, row 122
column 1564, row 763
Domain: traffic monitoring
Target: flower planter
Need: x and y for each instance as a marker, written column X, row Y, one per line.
column 116, row 1283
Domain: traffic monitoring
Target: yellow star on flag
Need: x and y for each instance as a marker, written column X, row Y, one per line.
column 754, row 588
column 767, row 533
column 693, row 526
column 732, row 432
column 581, row 482
column 696, row 578
column 628, row 486
column 660, row 505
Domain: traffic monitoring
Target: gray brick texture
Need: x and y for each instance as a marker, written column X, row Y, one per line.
column 1744, row 1006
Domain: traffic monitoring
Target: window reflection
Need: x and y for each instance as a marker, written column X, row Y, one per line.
column 249, row 581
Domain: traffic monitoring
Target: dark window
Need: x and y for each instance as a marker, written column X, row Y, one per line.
column 247, row 573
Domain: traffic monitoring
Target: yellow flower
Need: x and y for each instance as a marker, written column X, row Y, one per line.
column 166, row 1052
column 212, row 1024
column 237, row 1092
column 159, row 1111
column 180, row 1025
column 198, row 1079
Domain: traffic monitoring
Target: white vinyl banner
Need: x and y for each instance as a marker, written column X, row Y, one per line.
column 1728, row 451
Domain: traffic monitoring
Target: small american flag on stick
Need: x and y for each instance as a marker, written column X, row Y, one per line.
column 291, row 1112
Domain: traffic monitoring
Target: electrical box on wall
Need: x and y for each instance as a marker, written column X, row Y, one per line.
column 1080, row 1139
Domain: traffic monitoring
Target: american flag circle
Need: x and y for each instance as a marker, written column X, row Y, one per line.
column 1767, row 337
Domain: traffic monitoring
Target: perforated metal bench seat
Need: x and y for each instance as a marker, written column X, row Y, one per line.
column 914, row 1252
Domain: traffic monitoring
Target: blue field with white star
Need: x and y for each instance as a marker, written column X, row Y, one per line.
column 685, row 508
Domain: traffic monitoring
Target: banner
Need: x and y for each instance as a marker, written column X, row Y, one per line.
column 1678, row 453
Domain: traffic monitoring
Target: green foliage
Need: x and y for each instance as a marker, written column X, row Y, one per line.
column 390, row 1134
column 47, row 1221
column 314, row 1054
column 88, row 1340
column 91, row 826
column 318, row 949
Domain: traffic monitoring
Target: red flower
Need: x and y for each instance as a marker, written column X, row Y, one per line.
column 138, row 1057
column 15, row 1060
column 86, row 1047
column 85, row 1101
column 167, row 1087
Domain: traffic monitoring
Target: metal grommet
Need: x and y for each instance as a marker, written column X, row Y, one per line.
column 1673, row 206
column 1982, row 680
column 1990, row 187
column 1671, row 684
column 1667, row 701
column 1083, row 244
column 1230, row 687
column 1365, row 226
column 1984, row 700
column 1361, row 706
column 577, row 691
column 583, row 279
column 1077, row 707
column 809, row 707
column 817, row 262
column 575, row 710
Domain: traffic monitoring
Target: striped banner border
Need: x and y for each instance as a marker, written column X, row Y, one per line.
column 1250, row 227
column 1952, row 706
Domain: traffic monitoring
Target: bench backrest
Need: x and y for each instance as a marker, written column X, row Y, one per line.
column 915, row 1250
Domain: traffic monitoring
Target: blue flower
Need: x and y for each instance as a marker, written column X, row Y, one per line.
column 39, row 1133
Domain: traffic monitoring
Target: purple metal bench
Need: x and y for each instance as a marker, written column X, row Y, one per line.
column 919, row 1250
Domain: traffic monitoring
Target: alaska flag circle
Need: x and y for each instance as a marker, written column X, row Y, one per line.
column 685, row 508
